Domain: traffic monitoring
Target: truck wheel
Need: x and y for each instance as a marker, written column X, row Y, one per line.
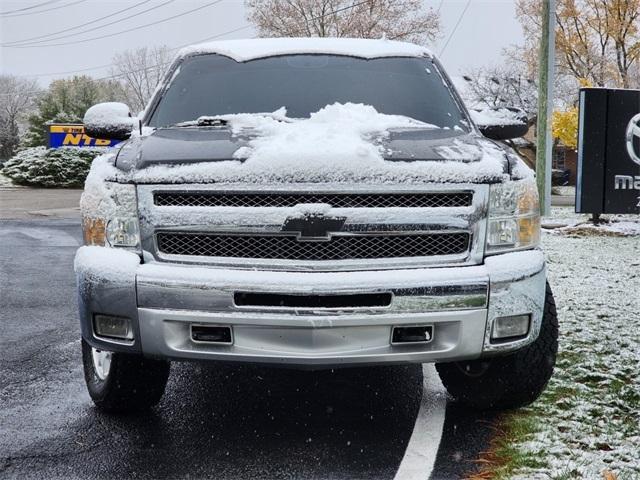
column 509, row 381
column 119, row 382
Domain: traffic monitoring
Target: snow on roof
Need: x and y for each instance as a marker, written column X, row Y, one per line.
column 250, row 49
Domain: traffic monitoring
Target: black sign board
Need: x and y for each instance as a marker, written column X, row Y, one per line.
column 608, row 151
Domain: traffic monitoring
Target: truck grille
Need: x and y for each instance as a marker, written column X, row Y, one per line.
column 336, row 200
column 288, row 247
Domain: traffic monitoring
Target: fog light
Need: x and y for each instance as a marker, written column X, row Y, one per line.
column 113, row 327
column 510, row 327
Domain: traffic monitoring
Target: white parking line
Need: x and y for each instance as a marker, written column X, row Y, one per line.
column 420, row 456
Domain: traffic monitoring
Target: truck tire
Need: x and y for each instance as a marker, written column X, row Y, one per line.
column 120, row 382
column 508, row 381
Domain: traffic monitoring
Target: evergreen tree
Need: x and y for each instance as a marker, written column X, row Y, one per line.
column 67, row 100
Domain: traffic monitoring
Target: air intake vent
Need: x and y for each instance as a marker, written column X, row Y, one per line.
column 287, row 247
column 278, row 300
column 336, row 200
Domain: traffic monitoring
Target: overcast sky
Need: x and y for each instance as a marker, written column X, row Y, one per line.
column 483, row 31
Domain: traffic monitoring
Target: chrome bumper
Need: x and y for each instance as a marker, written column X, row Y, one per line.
column 164, row 300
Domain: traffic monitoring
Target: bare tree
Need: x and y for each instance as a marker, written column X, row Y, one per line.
column 17, row 99
column 501, row 86
column 510, row 85
column 405, row 20
column 140, row 70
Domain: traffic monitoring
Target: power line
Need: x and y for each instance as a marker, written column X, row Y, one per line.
column 212, row 37
column 68, row 72
column 46, row 9
column 157, row 65
column 318, row 17
column 121, row 31
column 99, row 67
column 84, row 24
column 223, row 34
column 29, row 8
column 455, row 27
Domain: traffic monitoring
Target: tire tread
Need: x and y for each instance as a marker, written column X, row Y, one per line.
column 134, row 383
column 512, row 380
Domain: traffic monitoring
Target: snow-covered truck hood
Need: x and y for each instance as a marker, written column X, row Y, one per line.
column 339, row 143
column 188, row 146
column 216, row 155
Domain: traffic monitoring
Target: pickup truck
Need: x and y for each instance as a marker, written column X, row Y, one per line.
column 311, row 203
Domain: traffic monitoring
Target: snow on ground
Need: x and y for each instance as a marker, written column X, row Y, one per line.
column 588, row 420
column 614, row 228
column 565, row 190
column 564, row 221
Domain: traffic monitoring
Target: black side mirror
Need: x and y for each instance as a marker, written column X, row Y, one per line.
column 111, row 121
column 503, row 123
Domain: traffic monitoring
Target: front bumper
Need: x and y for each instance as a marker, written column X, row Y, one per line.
column 164, row 300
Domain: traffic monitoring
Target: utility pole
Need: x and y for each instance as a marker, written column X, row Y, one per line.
column 545, row 104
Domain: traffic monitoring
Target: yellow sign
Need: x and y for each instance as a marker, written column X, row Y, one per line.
column 74, row 136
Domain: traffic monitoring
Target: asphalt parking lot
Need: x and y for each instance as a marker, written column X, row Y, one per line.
column 215, row 421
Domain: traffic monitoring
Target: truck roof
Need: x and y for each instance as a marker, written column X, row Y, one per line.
column 251, row 49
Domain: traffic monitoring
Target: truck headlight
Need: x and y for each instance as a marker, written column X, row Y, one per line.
column 123, row 232
column 514, row 216
column 110, row 215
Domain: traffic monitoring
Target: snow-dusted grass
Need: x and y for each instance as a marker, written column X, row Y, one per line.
column 588, row 420
column 575, row 224
column 565, row 190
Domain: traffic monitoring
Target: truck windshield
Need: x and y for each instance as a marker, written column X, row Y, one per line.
column 216, row 85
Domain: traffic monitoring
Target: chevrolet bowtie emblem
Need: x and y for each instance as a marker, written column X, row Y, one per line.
column 314, row 227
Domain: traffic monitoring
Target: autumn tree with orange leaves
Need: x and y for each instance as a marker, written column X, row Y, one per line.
column 597, row 41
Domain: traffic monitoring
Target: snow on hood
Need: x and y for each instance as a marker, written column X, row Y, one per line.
column 341, row 143
column 338, row 131
column 250, row 49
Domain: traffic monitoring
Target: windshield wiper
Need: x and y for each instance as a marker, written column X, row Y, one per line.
column 213, row 121
column 203, row 122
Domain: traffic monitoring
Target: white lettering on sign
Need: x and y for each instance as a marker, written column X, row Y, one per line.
column 627, row 182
